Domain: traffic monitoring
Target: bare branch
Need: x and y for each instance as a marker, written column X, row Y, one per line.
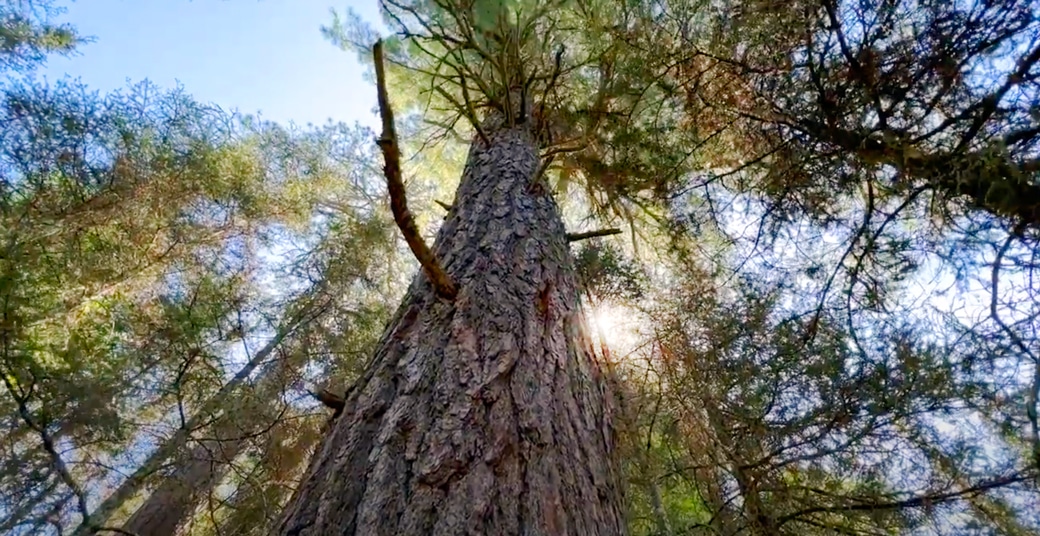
column 442, row 284
column 57, row 462
column 988, row 106
column 1034, row 391
column 918, row 501
column 574, row 237
column 115, row 530
column 443, row 205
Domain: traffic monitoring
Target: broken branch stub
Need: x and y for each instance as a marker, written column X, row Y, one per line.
column 574, row 237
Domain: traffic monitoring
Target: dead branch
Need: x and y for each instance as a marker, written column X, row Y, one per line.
column 443, row 205
column 115, row 530
column 442, row 284
column 574, row 237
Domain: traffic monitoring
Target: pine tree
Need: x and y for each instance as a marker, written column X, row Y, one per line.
column 484, row 409
column 831, row 256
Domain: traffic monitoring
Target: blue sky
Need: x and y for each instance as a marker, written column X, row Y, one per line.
column 264, row 56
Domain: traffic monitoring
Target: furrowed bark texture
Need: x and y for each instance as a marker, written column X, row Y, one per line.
column 488, row 414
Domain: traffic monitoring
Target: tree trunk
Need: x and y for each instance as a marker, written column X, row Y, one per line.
column 660, row 515
column 177, row 443
column 487, row 414
column 175, row 500
column 198, row 470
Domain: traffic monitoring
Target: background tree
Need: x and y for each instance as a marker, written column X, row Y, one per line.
column 855, row 190
column 137, row 232
column 29, row 33
column 779, row 433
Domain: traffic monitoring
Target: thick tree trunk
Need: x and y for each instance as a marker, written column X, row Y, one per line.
column 487, row 414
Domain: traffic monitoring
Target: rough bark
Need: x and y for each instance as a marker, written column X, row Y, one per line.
column 483, row 415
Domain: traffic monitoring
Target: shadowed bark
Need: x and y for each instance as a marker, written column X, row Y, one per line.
column 487, row 414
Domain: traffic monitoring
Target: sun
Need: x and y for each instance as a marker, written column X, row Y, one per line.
column 615, row 325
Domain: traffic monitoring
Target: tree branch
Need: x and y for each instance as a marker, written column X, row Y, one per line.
column 57, row 462
column 574, row 237
column 442, row 284
column 331, row 400
column 443, row 205
column 116, row 530
column 1034, row 391
column 974, row 175
column 918, row 501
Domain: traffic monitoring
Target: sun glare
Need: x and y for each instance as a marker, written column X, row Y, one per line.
column 617, row 326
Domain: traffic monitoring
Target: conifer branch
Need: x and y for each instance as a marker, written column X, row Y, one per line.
column 919, row 501
column 57, row 462
column 442, row 284
column 574, row 237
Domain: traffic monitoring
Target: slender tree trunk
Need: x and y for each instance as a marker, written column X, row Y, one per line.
column 483, row 415
column 177, row 443
column 253, row 508
column 175, row 500
column 199, row 469
column 660, row 516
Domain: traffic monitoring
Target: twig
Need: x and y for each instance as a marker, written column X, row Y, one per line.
column 1034, row 391
column 574, row 237
column 557, row 66
column 442, row 284
column 470, row 114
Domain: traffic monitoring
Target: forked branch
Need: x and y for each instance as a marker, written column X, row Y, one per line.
column 442, row 284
